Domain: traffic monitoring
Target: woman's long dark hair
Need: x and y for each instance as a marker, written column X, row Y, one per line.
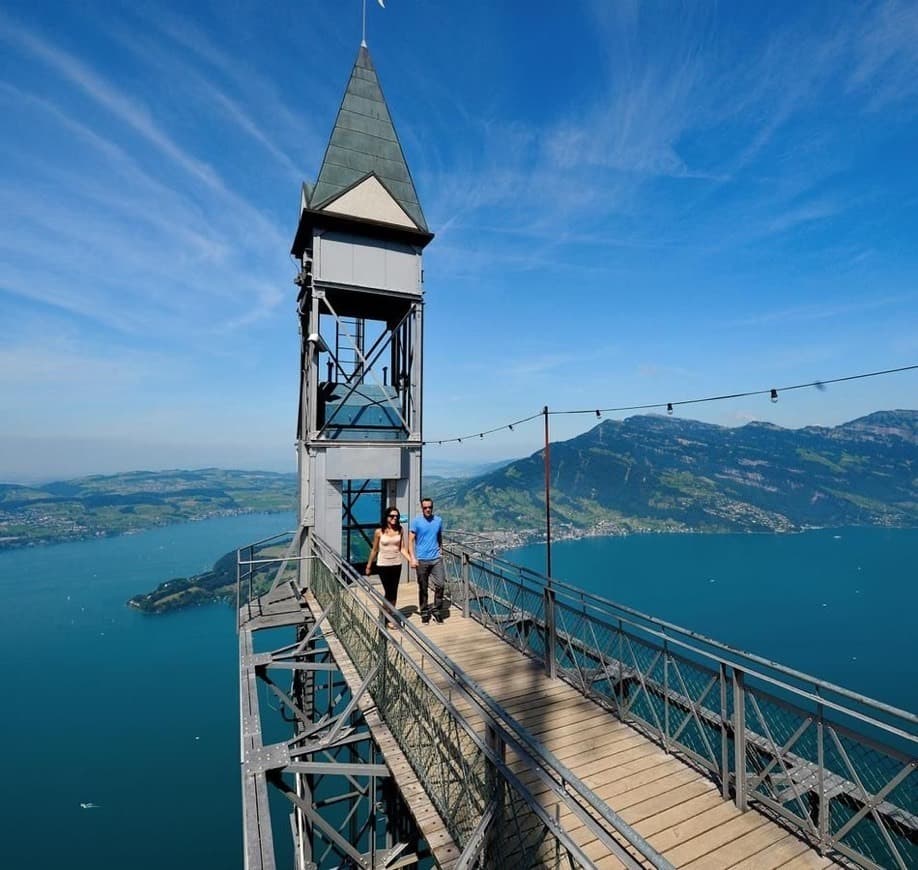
column 398, row 523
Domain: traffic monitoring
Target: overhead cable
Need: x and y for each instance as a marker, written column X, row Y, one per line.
column 772, row 392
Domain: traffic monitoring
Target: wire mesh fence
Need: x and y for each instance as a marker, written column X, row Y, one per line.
column 836, row 766
column 261, row 566
column 466, row 780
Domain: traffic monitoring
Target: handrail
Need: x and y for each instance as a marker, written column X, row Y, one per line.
column 843, row 789
column 795, row 690
column 664, row 625
column 510, row 732
column 246, row 569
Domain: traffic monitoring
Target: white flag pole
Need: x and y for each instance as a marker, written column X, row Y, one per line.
column 363, row 39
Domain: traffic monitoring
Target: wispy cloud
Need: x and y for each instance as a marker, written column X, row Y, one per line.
column 886, row 51
column 187, row 44
column 669, row 92
column 712, row 189
column 184, row 253
column 816, row 312
column 130, row 111
column 539, row 365
column 804, row 213
column 246, row 79
column 172, row 213
column 657, row 371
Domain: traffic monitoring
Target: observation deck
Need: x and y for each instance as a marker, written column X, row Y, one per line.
column 538, row 725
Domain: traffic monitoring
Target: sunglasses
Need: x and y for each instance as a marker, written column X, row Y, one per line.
column 392, row 516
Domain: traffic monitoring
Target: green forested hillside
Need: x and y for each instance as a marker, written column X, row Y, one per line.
column 642, row 473
column 654, row 472
column 119, row 503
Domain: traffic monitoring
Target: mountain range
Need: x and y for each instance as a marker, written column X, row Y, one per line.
column 654, row 472
column 641, row 473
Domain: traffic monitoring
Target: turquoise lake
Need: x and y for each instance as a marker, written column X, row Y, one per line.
column 838, row 604
column 139, row 714
column 135, row 713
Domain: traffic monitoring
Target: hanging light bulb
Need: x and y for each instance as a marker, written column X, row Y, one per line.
column 598, row 415
column 774, row 395
column 481, row 435
column 510, row 427
column 669, row 408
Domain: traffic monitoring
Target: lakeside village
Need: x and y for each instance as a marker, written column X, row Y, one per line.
column 31, row 528
column 749, row 517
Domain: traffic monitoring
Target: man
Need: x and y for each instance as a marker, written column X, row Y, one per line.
column 425, row 536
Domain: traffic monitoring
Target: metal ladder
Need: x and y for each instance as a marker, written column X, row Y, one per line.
column 350, row 365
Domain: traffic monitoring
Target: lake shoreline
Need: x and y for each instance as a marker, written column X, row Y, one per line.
column 505, row 540
column 11, row 544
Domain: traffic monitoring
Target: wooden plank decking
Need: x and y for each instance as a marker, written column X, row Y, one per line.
column 677, row 810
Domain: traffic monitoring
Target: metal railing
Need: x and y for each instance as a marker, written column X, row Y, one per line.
column 837, row 767
column 489, row 812
column 263, row 565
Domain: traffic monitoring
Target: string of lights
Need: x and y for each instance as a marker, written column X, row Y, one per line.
column 772, row 392
column 510, row 426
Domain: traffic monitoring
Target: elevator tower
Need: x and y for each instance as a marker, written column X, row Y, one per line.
column 359, row 245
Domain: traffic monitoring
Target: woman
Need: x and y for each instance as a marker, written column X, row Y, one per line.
column 389, row 546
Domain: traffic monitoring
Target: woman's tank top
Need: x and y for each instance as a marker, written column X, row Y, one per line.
column 390, row 546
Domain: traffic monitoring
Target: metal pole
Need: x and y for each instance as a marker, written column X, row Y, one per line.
column 823, row 805
column 466, row 608
column 549, row 599
column 494, row 792
column 547, row 498
column 665, row 695
column 739, row 737
column 620, row 688
column 238, row 589
column 724, row 736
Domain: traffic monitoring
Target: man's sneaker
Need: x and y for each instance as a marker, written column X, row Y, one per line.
column 438, row 616
column 425, row 618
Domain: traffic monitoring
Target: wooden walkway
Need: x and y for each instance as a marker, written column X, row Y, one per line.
column 677, row 810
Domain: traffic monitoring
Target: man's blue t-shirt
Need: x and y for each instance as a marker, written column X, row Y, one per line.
column 427, row 537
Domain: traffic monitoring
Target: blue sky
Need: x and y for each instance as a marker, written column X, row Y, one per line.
column 634, row 202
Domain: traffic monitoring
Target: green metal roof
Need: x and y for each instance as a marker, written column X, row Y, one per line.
column 364, row 141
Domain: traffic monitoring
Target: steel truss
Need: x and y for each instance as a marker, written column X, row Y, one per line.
column 490, row 816
column 345, row 811
column 349, row 363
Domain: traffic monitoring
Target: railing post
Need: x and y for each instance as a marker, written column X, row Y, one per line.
column 550, row 666
column 739, row 737
column 238, row 588
column 621, row 671
column 724, row 736
column 248, row 575
column 466, row 610
column 494, row 783
column 665, row 695
column 306, row 576
column 821, row 777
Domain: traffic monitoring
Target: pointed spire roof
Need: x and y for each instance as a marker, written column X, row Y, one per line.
column 364, row 143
